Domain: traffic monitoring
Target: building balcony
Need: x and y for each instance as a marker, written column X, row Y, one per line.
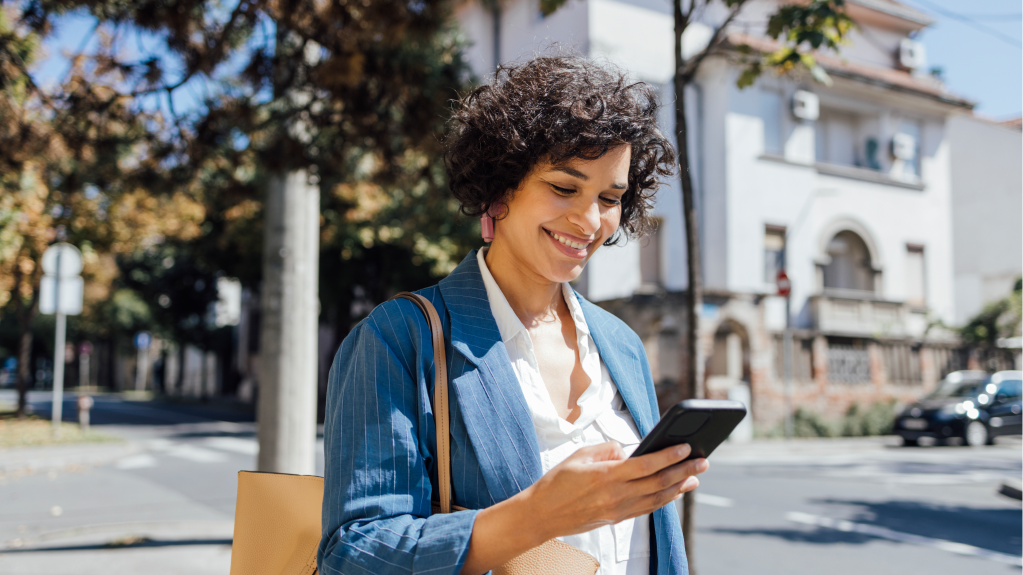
column 862, row 314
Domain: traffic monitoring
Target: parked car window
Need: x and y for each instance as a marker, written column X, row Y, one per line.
column 961, row 389
column 1011, row 389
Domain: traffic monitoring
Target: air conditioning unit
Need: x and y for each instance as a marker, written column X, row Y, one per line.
column 806, row 105
column 903, row 146
column 912, row 54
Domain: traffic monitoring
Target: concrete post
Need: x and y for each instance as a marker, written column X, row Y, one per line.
column 289, row 310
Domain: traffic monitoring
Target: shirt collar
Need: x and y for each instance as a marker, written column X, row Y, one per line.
column 508, row 323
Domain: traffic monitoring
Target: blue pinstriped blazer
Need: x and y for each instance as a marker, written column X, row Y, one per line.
column 379, row 434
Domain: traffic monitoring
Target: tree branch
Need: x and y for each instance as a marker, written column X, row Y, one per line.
column 689, row 69
column 217, row 51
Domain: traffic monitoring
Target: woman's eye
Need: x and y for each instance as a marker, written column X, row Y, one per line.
column 563, row 191
column 612, row 201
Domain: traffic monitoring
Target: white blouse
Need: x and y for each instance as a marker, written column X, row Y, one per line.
column 621, row 549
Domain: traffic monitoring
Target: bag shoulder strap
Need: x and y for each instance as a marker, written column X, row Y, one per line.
column 441, row 415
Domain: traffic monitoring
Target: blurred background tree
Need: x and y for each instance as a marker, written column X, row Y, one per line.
column 168, row 122
column 72, row 163
column 998, row 320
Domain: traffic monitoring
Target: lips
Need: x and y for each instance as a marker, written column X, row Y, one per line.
column 569, row 245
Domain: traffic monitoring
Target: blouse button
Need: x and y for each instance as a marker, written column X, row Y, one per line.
column 577, row 438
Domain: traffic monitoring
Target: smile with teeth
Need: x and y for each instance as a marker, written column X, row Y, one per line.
column 566, row 241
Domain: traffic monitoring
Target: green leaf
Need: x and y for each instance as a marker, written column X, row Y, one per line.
column 749, row 75
column 548, row 7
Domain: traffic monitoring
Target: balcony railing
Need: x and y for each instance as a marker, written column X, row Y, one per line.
column 856, row 313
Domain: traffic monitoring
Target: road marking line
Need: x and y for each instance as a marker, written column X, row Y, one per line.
column 193, row 453
column 235, row 444
column 136, row 462
column 950, row 546
column 715, row 500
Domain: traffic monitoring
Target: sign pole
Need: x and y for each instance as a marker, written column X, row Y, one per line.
column 785, row 290
column 60, row 294
column 787, row 350
column 58, row 372
column 57, row 402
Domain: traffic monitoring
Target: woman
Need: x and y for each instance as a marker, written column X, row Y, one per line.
column 549, row 392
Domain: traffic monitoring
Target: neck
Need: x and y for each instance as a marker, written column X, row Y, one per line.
column 531, row 296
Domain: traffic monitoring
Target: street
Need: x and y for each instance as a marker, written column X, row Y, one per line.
column 858, row 506
column 163, row 501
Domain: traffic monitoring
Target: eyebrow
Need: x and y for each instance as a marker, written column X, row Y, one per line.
column 576, row 173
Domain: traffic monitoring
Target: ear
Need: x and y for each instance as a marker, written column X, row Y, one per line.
column 497, row 210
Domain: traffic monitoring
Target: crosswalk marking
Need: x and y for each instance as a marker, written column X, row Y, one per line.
column 234, row 444
column 714, row 500
column 196, row 454
column 139, row 461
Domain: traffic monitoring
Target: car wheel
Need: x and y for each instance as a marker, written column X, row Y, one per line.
column 907, row 442
column 976, row 434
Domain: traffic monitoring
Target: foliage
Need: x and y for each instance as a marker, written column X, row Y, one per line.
column 858, row 421
column 876, row 419
column 353, row 93
column 804, row 28
column 999, row 319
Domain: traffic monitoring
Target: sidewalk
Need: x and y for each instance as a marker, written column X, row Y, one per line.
column 74, row 510
column 157, row 548
column 28, row 460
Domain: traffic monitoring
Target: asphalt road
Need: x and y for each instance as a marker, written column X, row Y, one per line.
column 163, row 502
column 859, row 506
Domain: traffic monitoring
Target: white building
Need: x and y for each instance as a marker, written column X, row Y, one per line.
column 848, row 186
column 987, row 211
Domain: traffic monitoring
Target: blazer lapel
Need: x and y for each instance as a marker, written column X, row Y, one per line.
column 622, row 362
column 491, row 402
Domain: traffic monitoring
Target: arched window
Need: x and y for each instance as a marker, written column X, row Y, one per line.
column 850, row 267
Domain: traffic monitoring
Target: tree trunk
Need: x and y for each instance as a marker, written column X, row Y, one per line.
column 694, row 365
column 288, row 335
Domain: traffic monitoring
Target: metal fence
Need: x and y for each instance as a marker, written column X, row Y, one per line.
column 848, row 363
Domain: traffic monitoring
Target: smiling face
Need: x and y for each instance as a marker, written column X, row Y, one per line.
column 560, row 215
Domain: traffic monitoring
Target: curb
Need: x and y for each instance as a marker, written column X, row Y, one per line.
column 1011, row 491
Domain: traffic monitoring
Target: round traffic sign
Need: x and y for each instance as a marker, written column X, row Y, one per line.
column 62, row 260
column 142, row 340
column 784, row 285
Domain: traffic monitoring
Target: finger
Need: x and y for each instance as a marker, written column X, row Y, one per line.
column 669, row 476
column 654, row 501
column 607, row 451
column 651, row 463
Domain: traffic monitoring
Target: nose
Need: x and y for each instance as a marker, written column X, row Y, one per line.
column 586, row 215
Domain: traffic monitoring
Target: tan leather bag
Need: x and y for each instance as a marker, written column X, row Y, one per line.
column 277, row 518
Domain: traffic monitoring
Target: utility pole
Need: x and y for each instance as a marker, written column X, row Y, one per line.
column 289, row 305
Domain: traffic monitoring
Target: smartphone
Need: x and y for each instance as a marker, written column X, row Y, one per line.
column 702, row 423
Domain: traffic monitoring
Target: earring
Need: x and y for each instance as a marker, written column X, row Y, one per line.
column 487, row 228
column 487, row 221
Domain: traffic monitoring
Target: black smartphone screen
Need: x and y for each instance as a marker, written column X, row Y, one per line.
column 702, row 423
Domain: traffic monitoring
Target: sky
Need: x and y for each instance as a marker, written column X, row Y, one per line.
column 976, row 42
column 982, row 57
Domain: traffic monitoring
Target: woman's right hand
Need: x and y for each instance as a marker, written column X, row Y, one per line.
column 595, row 486
column 600, row 485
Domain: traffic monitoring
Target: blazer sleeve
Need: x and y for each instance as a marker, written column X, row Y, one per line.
column 377, row 438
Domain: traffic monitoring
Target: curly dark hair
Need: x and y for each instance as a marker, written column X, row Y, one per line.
column 555, row 109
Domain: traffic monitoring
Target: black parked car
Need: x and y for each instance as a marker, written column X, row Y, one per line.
column 969, row 405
